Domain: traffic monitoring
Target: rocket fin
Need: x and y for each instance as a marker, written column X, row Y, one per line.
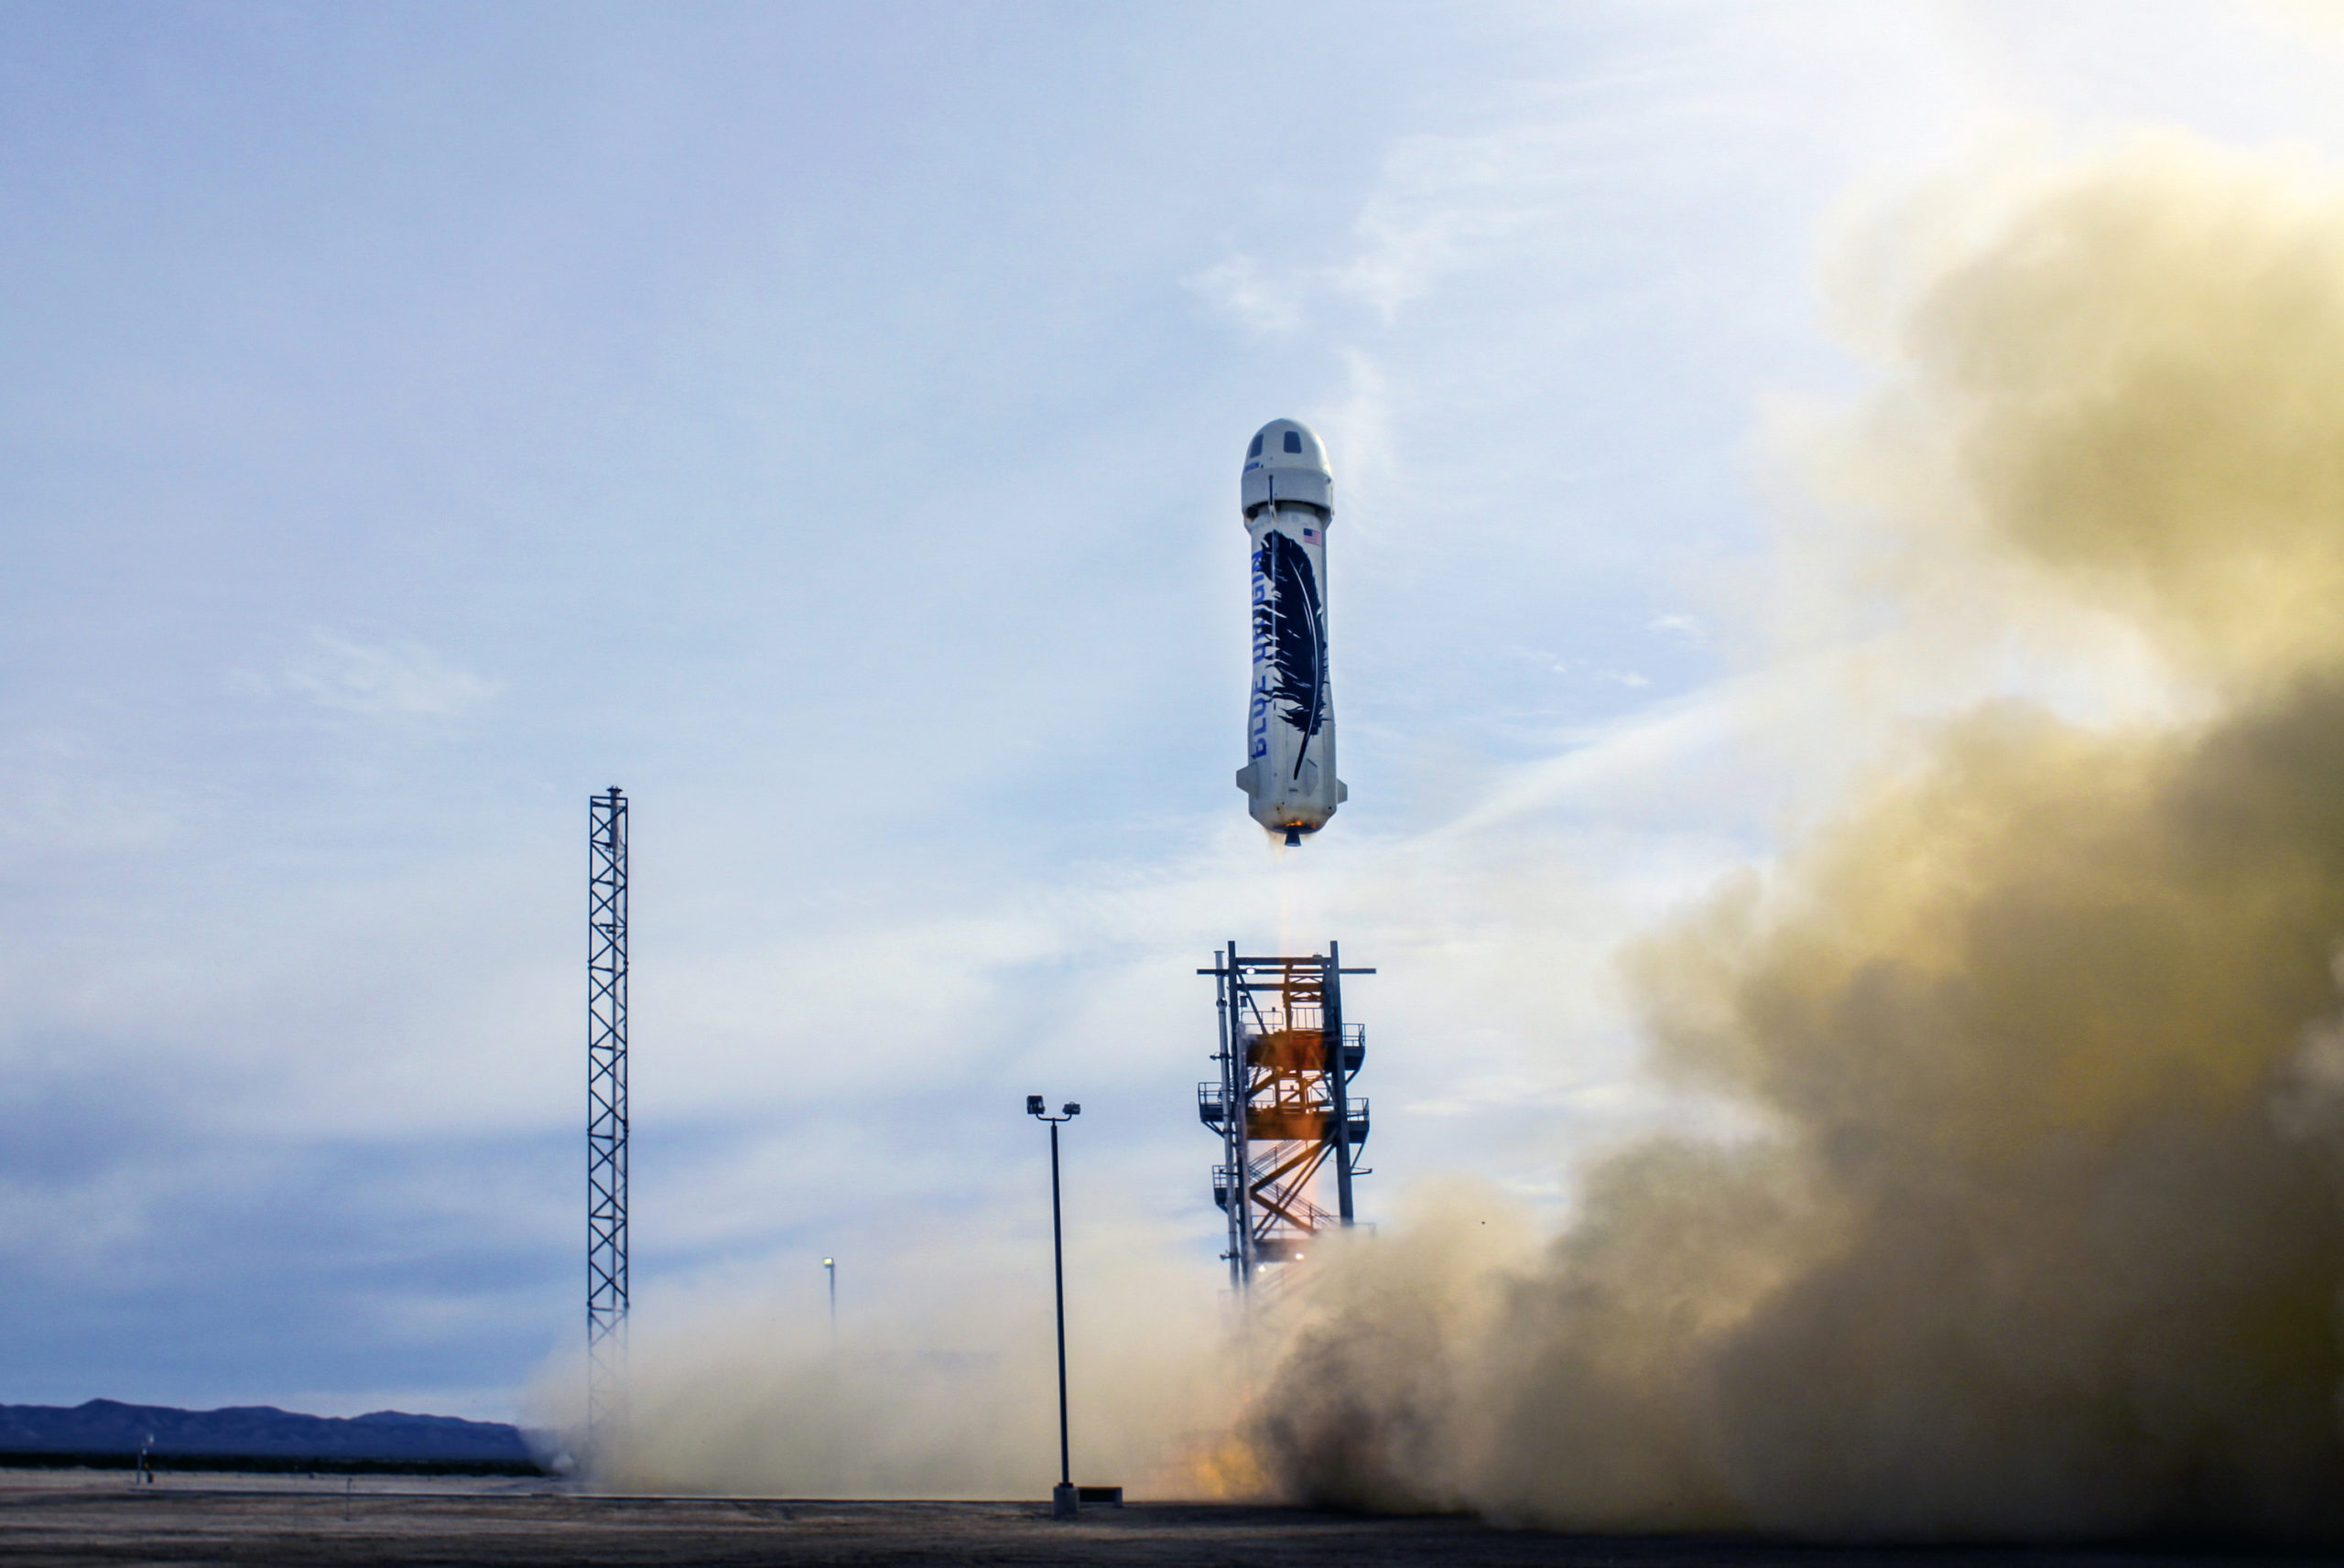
column 1245, row 776
column 1342, row 792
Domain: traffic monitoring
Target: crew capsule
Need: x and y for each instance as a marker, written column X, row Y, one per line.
column 1288, row 495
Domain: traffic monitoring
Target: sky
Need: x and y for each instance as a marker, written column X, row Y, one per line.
column 823, row 422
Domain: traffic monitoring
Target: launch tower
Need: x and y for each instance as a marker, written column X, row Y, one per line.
column 605, row 1105
column 1283, row 1105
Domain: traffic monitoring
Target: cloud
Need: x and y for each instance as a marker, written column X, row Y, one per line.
column 1444, row 205
column 66, row 798
column 1239, row 290
column 388, row 680
column 1441, row 205
column 1686, row 628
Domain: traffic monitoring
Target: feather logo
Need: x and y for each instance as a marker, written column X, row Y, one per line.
column 1287, row 621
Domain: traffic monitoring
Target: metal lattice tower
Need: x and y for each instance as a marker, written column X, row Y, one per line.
column 605, row 1106
column 1282, row 1105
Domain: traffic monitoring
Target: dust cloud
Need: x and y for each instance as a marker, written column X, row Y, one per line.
column 2046, row 1236
column 948, row 1393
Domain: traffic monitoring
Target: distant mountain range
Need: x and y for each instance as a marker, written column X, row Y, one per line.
column 108, row 1426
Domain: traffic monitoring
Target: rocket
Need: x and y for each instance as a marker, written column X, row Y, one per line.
column 1288, row 498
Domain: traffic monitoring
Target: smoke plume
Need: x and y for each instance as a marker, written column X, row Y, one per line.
column 2045, row 1236
column 938, row 1380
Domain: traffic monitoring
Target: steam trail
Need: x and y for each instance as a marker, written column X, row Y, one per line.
column 2049, row 1239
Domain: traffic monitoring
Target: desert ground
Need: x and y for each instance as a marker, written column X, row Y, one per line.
column 98, row 1518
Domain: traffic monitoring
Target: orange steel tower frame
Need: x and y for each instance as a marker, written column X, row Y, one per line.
column 1283, row 1105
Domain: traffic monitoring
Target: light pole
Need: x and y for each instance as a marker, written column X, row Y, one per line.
column 1063, row 1497
column 830, row 1268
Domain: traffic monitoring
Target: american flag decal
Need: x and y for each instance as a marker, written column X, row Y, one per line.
column 1311, row 534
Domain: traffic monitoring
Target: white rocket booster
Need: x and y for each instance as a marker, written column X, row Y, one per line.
column 1289, row 500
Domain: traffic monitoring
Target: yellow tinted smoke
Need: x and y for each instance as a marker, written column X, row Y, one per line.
column 2048, row 1239
column 2137, row 383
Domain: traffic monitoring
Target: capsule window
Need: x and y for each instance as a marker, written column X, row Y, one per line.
column 1255, row 449
column 1294, row 440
